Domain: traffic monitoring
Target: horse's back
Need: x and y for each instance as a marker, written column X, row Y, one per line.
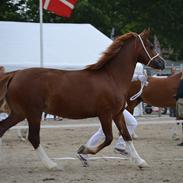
column 66, row 93
column 160, row 92
column 39, row 82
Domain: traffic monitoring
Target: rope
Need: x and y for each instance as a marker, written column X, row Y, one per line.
column 138, row 93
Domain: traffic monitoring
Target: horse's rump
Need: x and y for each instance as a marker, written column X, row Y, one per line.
column 161, row 92
column 4, row 82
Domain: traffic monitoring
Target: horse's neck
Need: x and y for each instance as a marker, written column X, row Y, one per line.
column 121, row 68
column 174, row 79
column 169, row 84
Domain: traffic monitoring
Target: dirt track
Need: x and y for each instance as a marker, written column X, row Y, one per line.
column 155, row 145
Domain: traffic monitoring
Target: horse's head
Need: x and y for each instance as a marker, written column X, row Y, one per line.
column 147, row 54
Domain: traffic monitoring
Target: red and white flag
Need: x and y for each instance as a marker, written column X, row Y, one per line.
column 60, row 7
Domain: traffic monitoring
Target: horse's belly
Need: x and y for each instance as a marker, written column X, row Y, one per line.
column 161, row 101
column 73, row 110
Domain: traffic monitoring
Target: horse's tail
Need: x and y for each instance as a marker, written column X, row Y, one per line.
column 5, row 80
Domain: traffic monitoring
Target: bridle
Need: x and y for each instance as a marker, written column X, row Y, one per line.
column 150, row 58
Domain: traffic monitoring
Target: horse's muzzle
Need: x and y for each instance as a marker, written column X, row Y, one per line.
column 158, row 64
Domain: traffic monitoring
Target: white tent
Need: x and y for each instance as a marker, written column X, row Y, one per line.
column 68, row 46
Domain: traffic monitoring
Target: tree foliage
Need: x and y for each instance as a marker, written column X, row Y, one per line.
column 164, row 17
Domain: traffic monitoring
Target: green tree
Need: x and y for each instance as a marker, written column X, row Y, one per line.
column 164, row 17
column 9, row 11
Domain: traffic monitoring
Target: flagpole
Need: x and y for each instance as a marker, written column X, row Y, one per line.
column 41, row 32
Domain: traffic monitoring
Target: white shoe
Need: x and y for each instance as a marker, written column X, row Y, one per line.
column 134, row 136
column 175, row 136
column 121, row 151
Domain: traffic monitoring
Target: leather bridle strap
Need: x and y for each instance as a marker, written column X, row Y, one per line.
column 150, row 58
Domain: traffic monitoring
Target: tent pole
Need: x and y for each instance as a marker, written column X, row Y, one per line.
column 41, row 32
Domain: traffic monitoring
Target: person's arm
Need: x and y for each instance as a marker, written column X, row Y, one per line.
column 135, row 77
column 141, row 77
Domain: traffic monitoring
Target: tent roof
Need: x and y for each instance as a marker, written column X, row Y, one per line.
column 71, row 46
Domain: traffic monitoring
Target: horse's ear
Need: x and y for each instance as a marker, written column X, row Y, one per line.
column 145, row 34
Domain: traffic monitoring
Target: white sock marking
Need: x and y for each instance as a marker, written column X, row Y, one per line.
column 133, row 153
column 44, row 158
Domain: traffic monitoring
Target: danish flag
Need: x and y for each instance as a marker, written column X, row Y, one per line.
column 60, row 7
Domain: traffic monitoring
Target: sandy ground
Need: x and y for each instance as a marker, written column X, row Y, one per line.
column 20, row 164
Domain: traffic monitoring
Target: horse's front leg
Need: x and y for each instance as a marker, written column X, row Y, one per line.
column 106, row 123
column 34, row 138
column 121, row 125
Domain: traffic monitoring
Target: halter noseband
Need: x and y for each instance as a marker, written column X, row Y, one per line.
column 150, row 58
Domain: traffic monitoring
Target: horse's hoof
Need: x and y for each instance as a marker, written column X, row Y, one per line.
column 23, row 139
column 175, row 136
column 181, row 144
column 81, row 150
column 83, row 160
column 57, row 168
column 53, row 166
column 134, row 136
column 143, row 164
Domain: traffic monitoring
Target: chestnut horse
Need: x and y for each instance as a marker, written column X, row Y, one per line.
column 99, row 90
column 160, row 92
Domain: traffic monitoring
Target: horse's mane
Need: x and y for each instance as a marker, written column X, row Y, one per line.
column 111, row 51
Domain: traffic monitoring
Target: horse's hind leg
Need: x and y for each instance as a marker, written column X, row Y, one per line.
column 106, row 122
column 23, row 133
column 10, row 121
column 121, row 125
column 7, row 123
column 34, row 138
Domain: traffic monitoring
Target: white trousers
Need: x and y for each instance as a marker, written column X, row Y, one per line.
column 131, row 123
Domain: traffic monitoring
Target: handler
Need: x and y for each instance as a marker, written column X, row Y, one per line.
column 179, row 105
column 131, row 123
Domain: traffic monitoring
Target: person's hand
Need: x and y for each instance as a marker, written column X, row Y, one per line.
column 142, row 78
